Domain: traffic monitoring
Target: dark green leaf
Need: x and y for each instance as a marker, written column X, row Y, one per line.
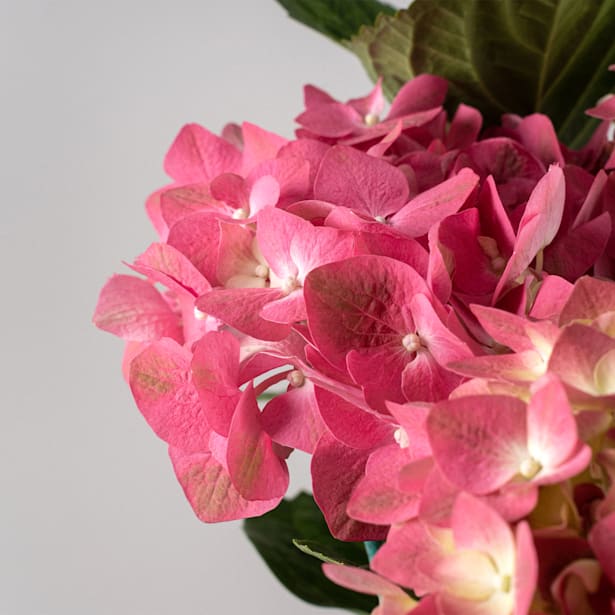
column 337, row 19
column 502, row 56
column 301, row 520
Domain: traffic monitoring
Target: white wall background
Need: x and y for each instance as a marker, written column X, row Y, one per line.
column 92, row 521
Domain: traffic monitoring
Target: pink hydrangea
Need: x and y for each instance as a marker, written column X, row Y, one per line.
column 439, row 305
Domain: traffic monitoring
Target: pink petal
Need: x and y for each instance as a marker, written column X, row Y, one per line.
column 293, row 419
column 604, row 110
column 353, row 179
column 438, row 339
column 199, row 155
column 423, row 211
column 265, row 193
column 376, row 498
column 602, row 541
column 286, row 310
column 240, row 307
column 181, row 201
column 420, row 94
column 379, row 372
column 536, row 132
column 255, row 470
column 351, row 425
column 333, row 120
column 161, row 385
column 465, row 127
column 210, row 491
column 134, row 310
column 336, row 469
column 398, row 559
column 365, row 582
column 551, row 426
column 258, row 145
column 164, row 264
column 197, row 237
column 360, row 302
column 552, row 295
column 589, row 299
column 424, row 379
column 478, row 442
column 508, row 329
column 215, row 371
column 576, row 353
column 575, row 253
column 494, row 220
column 538, row 226
column 478, row 527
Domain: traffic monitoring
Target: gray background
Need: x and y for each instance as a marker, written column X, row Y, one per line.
column 92, row 520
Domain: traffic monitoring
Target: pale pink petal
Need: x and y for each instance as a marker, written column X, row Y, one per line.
column 376, row 498
column 575, row 355
column 589, row 299
column 478, row 527
column 366, row 582
column 398, row 558
column 551, row 427
column 478, row 442
column 265, row 193
column 526, row 569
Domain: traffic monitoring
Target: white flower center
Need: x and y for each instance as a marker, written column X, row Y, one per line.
column 371, row 119
column 199, row 315
column 289, row 284
column 240, row 214
column 401, row 437
column 296, row 378
column 261, row 271
column 411, row 342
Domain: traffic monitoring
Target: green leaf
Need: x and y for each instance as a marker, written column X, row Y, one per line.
column 384, row 49
column 300, row 522
column 337, row 19
column 326, row 553
column 502, row 56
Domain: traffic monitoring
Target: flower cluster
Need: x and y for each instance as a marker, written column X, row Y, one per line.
column 437, row 299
